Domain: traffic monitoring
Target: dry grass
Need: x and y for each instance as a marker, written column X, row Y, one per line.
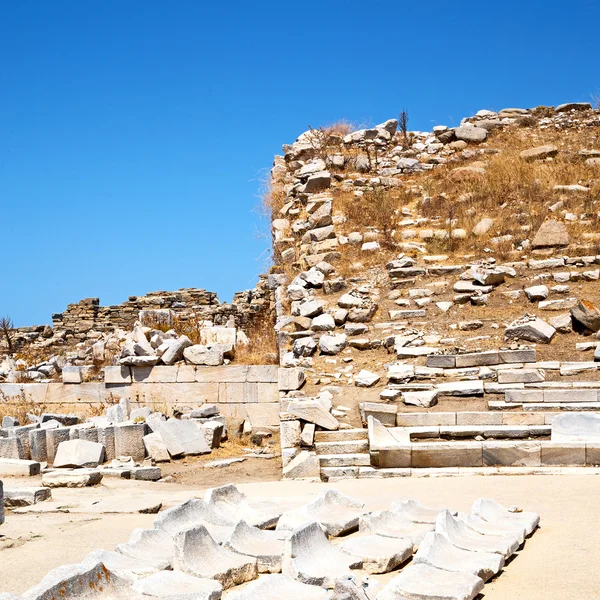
column 231, row 448
column 378, row 209
column 272, row 200
column 262, row 346
column 19, row 407
column 184, row 324
column 515, row 193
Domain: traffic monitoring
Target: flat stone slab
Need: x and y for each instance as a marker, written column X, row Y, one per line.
column 265, row 546
column 16, row 497
column 437, row 551
column 233, row 506
column 423, row 582
column 126, row 567
column 71, row 478
column 14, row 467
column 491, row 511
column 191, row 514
column 278, row 587
column 148, row 544
column 175, row 584
column 182, row 438
column 461, row 388
column 462, row 536
column 381, row 437
column 196, row 553
column 313, row 411
column 336, row 513
column 502, row 528
column 415, row 512
column 576, row 427
column 378, row 554
column 387, row 523
column 310, row 558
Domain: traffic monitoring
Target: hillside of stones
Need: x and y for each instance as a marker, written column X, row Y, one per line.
column 391, row 245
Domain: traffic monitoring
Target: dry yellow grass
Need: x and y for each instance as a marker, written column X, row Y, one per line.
column 20, row 407
column 516, row 193
column 262, row 346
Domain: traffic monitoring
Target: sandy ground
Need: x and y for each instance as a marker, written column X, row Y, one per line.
column 560, row 560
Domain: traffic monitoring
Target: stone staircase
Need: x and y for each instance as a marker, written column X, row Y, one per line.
column 341, row 453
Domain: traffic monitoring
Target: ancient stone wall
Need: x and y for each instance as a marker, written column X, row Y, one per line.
column 87, row 316
column 241, row 391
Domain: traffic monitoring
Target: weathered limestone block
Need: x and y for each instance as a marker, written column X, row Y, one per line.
column 477, row 359
column 563, row 453
column 11, row 467
column 462, row 536
column 182, row 438
column 75, row 478
column 79, row 453
column 531, row 330
column 22, row 435
column 521, row 376
column 384, row 413
column 11, row 448
column 117, row 375
column 265, row 546
column 17, row 497
column 53, row 438
column 377, row 553
column 106, row 437
column 437, row 551
column 310, row 558
column 447, row 454
column 71, row 375
column 313, row 411
column 512, row 454
column 290, row 434
column 175, row 351
column 551, row 234
column 196, row 553
column 303, row 466
column 576, row 427
column 129, row 441
column 176, row 584
column 278, row 587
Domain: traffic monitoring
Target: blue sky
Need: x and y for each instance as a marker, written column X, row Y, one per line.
column 134, row 135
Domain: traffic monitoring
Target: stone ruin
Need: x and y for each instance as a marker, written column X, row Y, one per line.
column 455, row 332
column 423, row 329
column 207, row 547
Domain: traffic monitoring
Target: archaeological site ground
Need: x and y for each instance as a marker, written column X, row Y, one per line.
column 405, row 407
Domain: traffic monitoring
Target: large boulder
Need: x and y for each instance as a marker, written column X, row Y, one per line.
column 471, row 134
column 551, row 234
column 586, row 315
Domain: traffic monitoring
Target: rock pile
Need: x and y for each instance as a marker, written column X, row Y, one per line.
column 124, row 443
column 205, row 547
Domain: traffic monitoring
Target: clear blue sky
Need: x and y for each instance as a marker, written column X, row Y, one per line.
column 134, row 135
